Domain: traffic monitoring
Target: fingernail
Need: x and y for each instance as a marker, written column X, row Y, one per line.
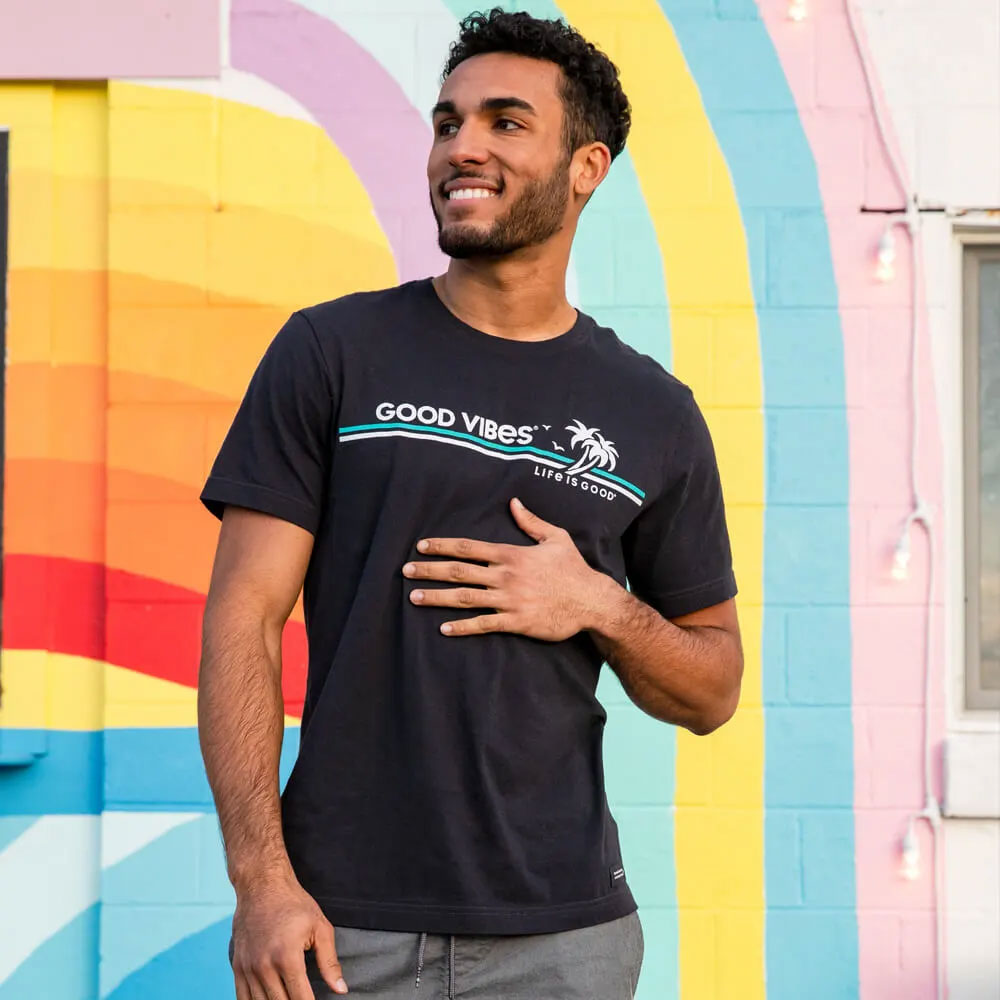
column 417, row 595
column 518, row 502
column 409, row 568
column 340, row 986
column 422, row 546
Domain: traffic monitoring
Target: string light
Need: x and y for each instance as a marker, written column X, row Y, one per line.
column 886, row 269
column 901, row 554
column 910, row 868
column 797, row 10
column 901, row 558
column 931, row 811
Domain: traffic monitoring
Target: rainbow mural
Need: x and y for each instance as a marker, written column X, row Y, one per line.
column 162, row 231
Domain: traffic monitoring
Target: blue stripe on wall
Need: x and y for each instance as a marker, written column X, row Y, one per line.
column 11, row 827
column 153, row 769
column 147, row 944
column 63, row 967
column 67, row 779
column 198, row 966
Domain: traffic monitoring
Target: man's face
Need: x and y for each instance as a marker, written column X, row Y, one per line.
column 498, row 167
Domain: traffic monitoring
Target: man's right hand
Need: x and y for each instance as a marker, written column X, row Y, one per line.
column 275, row 922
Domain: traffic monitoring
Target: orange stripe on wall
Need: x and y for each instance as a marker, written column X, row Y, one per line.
column 44, row 405
column 54, row 508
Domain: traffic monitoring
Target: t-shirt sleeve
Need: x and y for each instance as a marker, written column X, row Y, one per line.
column 677, row 551
column 275, row 457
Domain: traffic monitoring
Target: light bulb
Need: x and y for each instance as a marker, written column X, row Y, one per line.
column 901, row 558
column 797, row 10
column 910, row 868
column 886, row 269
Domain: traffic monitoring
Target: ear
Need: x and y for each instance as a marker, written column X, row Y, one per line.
column 591, row 163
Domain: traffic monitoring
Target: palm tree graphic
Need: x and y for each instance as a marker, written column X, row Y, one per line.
column 597, row 449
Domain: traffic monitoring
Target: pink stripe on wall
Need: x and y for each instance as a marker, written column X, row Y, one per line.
column 895, row 916
column 98, row 39
column 386, row 143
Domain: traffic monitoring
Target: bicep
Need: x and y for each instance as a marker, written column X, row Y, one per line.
column 722, row 616
column 259, row 567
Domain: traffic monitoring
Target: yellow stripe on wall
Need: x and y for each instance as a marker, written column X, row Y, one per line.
column 236, row 203
column 45, row 690
column 719, row 821
column 58, row 221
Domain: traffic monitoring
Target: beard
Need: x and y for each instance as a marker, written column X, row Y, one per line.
column 536, row 215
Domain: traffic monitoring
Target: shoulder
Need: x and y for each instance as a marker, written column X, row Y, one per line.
column 357, row 326
column 631, row 370
column 356, row 310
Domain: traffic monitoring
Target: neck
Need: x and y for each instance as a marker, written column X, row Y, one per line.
column 522, row 299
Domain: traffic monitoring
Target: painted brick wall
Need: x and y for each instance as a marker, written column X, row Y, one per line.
column 161, row 232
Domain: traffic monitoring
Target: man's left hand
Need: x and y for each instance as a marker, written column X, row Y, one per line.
column 546, row 590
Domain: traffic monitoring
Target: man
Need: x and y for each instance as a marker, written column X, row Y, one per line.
column 446, row 817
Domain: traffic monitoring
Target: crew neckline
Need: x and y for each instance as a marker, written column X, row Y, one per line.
column 504, row 346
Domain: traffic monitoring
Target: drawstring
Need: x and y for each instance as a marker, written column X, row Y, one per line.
column 420, row 959
column 451, row 971
column 451, row 964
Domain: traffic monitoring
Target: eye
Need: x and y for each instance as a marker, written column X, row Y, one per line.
column 445, row 125
column 509, row 121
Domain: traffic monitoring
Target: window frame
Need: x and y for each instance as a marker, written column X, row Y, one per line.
column 976, row 697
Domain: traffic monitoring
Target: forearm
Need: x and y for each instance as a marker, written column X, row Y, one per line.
column 686, row 675
column 240, row 728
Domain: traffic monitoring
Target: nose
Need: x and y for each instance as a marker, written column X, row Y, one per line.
column 467, row 145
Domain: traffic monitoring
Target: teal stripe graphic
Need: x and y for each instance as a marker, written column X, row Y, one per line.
column 509, row 448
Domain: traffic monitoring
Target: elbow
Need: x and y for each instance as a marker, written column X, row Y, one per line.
column 718, row 715
column 725, row 697
column 710, row 722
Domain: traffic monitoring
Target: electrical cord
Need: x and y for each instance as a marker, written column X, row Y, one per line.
column 921, row 512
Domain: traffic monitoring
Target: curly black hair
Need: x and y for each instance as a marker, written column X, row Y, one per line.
column 596, row 106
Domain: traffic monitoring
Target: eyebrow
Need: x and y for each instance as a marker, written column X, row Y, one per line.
column 486, row 104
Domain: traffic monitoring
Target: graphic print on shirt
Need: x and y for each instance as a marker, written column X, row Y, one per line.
column 584, row 462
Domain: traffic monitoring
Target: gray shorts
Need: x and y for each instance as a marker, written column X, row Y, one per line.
column 598, row 961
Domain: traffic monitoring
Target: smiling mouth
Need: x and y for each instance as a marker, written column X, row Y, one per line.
column 471, row 194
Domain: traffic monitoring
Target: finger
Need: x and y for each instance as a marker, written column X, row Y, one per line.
column 481, row 623
column 326, row 958
column 242, row 987
column 460, row 572
column 270, row 981
column 464, row 548
column 295, row 978
column 455, row 597
column 531, row 523
column 255, row 988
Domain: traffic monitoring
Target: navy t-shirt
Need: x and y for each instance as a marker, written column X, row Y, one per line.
column 454, row 784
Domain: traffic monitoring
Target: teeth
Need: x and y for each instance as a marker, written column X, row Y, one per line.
column 463, row 194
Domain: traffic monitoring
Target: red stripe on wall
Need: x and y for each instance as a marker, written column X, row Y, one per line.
column 61, row 605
